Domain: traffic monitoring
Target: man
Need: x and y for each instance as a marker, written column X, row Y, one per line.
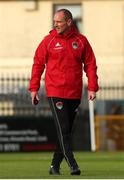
column 64, row 53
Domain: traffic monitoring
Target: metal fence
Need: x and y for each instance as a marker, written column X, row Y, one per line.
column 15, row 97
column 111, row 92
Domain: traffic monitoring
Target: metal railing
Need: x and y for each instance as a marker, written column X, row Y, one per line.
column 111, row 92
column 15, row 97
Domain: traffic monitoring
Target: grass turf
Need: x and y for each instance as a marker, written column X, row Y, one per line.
column 98, row 165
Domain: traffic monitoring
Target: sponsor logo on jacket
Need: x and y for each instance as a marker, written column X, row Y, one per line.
column 58, row 46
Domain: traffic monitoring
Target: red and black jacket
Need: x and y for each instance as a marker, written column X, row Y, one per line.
column 64, row 57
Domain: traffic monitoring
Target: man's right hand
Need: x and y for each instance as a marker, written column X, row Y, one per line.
column 35, row 98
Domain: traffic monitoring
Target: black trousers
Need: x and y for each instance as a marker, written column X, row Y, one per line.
column 64, row 111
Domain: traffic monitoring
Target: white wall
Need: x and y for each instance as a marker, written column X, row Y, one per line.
column 104, row 25
column 20, row 33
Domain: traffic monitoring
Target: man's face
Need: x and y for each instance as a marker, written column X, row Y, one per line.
column 60, row 23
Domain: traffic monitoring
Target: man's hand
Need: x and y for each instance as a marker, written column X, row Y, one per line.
column 91, row 95
column 35, row 98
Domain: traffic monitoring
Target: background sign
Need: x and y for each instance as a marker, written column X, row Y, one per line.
column 27, row 134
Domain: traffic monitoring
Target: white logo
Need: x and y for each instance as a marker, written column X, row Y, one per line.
column 58, row 44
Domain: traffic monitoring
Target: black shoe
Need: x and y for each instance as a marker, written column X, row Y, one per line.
column 75, row 171
column 54, row 171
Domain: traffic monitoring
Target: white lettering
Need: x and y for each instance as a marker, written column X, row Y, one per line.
column 11, row 147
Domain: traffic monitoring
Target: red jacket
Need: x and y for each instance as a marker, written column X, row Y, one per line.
column 64, row 57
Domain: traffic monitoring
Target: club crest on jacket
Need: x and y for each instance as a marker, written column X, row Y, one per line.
column 59, row 105
column 74, row 45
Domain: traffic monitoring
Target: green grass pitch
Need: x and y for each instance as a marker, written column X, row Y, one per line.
column 97, row 165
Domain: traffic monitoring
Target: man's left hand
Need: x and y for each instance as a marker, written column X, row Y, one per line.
column 91, row 95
